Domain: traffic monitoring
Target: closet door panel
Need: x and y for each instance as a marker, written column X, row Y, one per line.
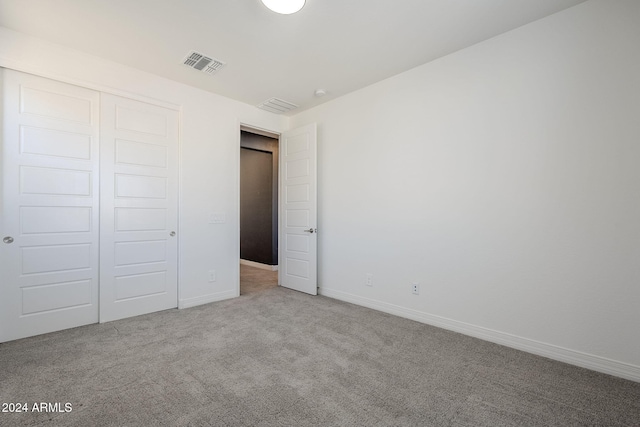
column 139, row 208
column 49, row 203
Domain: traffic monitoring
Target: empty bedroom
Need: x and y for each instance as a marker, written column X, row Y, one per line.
column 319, row 213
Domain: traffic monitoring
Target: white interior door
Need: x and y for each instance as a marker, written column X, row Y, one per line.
column 139, row 208
column 298, row 210
column 49, row 205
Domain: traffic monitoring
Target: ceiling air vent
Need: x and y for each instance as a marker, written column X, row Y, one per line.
column 277, row 106
column 202, row 62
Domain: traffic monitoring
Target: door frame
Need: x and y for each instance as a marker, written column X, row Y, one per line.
column 242, row 126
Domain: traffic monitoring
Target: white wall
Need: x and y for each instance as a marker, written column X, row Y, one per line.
column 505, row 179
column 210, row 147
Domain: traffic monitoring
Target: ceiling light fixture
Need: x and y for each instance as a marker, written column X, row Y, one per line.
column 285, row 7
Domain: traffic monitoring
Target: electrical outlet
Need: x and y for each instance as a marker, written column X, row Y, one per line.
column 415, row 288
column 212, row 275
column 368, row 279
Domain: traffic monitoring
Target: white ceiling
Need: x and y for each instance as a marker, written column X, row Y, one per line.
column 337, row 45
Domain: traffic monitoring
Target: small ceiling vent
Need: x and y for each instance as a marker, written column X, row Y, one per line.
column 202, row 62
column 277, row 106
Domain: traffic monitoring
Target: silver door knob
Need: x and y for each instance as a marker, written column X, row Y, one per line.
column 8, row 240
column 309, row 231
column 173, row 233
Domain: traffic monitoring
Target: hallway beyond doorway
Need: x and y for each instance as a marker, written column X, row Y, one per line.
column 254, row 280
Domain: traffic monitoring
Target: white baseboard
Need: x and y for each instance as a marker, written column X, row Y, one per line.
column 577, row 358
column 206, row 299
column 259, row 265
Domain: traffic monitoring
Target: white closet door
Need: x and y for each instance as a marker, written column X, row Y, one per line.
column 49, row 206
column 139, row 208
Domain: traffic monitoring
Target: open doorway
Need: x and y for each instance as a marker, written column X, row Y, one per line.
column 259, row 159
column 295, row 237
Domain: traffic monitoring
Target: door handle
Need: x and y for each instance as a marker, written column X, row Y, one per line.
column 311, row 230
column 173, row 233
column 8, row 240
